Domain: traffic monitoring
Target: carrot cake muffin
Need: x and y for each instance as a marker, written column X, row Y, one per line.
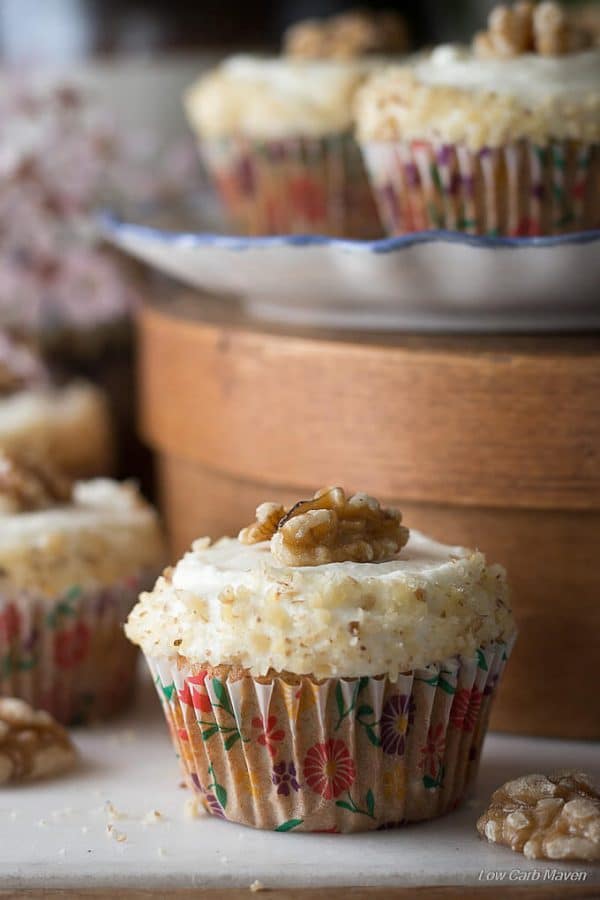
column 275, row 132
column 68, row 426
column 500, row 139
column 72, row 562
column 324, row 671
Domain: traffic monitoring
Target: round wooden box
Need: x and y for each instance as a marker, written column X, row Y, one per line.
column 491, row 442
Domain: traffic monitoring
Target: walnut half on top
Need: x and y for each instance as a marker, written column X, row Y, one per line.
column 554, row 817
column 28, row 484
column 328, row 528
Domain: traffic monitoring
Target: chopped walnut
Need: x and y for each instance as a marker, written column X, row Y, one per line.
column 555, row 817
column 542, row 28
column 334, row 528
column 27, row 484
column 32, row 744
column 268, row 516
column 19, row 367
column 346, row 36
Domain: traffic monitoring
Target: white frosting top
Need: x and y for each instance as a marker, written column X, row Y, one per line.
column 276, row 97
column 530, row 77
column 453, row 96
column 233, row 604
column 107, row 532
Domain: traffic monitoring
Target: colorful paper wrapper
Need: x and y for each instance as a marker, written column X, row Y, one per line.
column 69, row 654
column 339, row 755
column 293, row 186
column 517, row 190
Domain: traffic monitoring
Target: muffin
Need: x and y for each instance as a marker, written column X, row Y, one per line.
column 275, row 133
column 325, row 671
column 72, row 562
column 499, row 139
column 68, row 426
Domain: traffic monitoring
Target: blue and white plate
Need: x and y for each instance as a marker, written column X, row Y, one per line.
column 431, row 281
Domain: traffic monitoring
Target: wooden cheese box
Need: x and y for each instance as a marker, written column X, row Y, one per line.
column 487, row 441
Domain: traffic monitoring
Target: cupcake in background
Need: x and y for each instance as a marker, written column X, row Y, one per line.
column 72, row 562
column 324, row 671
column 68, row 426
column 275, row 132
column 499, row 139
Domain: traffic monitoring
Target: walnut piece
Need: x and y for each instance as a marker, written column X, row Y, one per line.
column 346, row 36
column 526, row 27
column 20, row 368
column 268, row 516
column 554, row 817
column 27, row 484
column 32, row 744
column 328, row 528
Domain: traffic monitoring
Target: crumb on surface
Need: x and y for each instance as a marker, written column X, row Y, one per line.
column 152, row 817
column 118, row 836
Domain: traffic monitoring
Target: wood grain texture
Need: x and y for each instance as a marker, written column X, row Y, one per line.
column 488, row 442
column 423, row 422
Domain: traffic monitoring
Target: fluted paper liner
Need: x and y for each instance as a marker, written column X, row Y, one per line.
column 340, row 755
column 520, row 189
column 69, row 654
column 293, row 186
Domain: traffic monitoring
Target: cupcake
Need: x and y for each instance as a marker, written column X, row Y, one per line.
column 72, row 562
column 324, row 671
column 275, row 133
column 67, row 426
column 498, row 139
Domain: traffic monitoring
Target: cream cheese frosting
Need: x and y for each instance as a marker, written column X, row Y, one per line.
column 453, row 95
column 231, row 604
column 70, row 426
column 106, row 533
column 276, row 97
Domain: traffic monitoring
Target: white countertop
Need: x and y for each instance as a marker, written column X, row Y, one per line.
column 54, row 834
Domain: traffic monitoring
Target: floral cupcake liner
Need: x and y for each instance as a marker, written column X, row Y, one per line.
column 69, row 655
column 293, row 186
column 517, row 190
column 339, row 755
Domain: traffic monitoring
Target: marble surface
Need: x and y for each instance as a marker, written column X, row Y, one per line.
column 54, row 834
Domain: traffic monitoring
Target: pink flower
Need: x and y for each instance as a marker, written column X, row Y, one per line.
column 270, row 734
column 465, row 709
column 433, row 751
column 10, row 623
column 329, row 769
column 195, row 694
column 71, row 646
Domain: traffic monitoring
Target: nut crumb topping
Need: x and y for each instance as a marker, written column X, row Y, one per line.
column 526, row 27
column 32, row 744
column 554, row 817
column 27, row 485
column 352, row 34
column 328, row 528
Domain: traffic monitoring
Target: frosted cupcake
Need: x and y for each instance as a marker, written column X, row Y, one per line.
column 499, row 139
column 324, row 671
column 275, row 133
column 72, row 562
column 68, row 426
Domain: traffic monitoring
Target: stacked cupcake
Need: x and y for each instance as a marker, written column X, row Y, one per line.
column 73, row 559
column 68, row 426
column 73, row 556
column 276, row 133
column 325, row 671
column 499, row 139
